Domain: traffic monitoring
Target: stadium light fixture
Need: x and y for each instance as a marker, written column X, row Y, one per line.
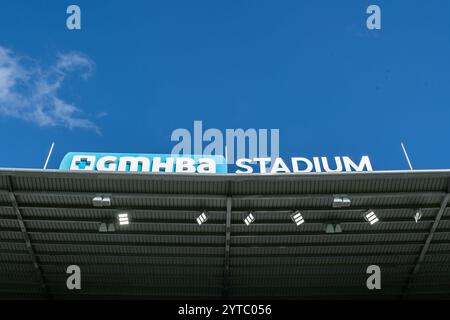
column 123, row 219
column 101, row 201
column 107, row 227
column 106, row 201
column 103, row 227
column 329, row 228
column 371, row 217
column 111, row 227
column 202, row 218
column 341, row 201
column 297, row 218
column 333, row 228
column 97, row 201
column 418, row 215
column 249, row 219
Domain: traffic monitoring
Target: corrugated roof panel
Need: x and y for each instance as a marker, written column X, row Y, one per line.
column 327, row 239
column 11, row 235
column 446, row 212
column 441, row 236
column 3, row 182
column 85, row 200
column 15, row 257
column 100, row 214
column 345, row 184
column 306, row 270
column 326, row 250
column 323, row 281
column 309, row 292
column 437, row 258
column 143, row 183
column 97, row 291
column 9, row 224
column 127, row 260
column 337, row 214
column 21, row 288
column 428, row 268
column 138, row 269
column 8, row 268
column 141, row 281
column 439, row 247
column 347, row 228
column 326, row 202
column 126, row 238
column 13, row 246
column 7, row 212
column 4, row 198
column 323, row 260
column 444, row 224
column 41, row 248
column 20, row 278
column 133, row 227
column 61, row 199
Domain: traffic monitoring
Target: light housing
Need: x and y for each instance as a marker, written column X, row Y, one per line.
column 123, row 219
column 249, row 219
column 107, row 227
column 101, row 201
column 341, row 201
column 297, row 218
column 332, row 228
column 202, row 218
column 371, row 217
column 418, row 215
column 103, row 227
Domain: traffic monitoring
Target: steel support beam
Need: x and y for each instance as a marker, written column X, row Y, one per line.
column 26, row 238
column 427, row 244
column 140, row 196
column 226, row 269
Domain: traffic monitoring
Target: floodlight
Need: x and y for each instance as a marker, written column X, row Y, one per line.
column 111, row 227
column 202, row 218
column 249, row 219
column 371, row 217
column 418, row 215
column 103, row 227
column 341, row 201
column 332, row 228
column 329, row 228
column 101, row 201
column 97, row 201
column 123, row 219
column 106, row 201
column 297, row 218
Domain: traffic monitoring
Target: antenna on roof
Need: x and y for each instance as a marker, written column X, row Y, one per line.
column 49, row 155
column 406, row 156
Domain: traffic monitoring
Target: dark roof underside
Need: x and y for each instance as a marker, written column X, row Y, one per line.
column 164, row 253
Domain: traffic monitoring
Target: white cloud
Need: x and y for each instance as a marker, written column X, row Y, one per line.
column 30, row 92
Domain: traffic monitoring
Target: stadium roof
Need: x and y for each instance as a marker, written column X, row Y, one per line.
column 48, row 222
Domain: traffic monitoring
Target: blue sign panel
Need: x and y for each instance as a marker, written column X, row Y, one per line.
column 146, row 163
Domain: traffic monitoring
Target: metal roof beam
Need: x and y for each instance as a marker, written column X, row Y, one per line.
column 427, row 244
column 330, row 196
column 26, row 237
column 201, row 207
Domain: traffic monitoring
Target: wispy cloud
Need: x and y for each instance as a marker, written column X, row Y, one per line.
column 29, row 91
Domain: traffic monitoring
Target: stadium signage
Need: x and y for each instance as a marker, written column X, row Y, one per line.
column 163, row 163
column 150, row 163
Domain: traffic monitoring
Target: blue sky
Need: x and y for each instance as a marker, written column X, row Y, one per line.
column 140, row 69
